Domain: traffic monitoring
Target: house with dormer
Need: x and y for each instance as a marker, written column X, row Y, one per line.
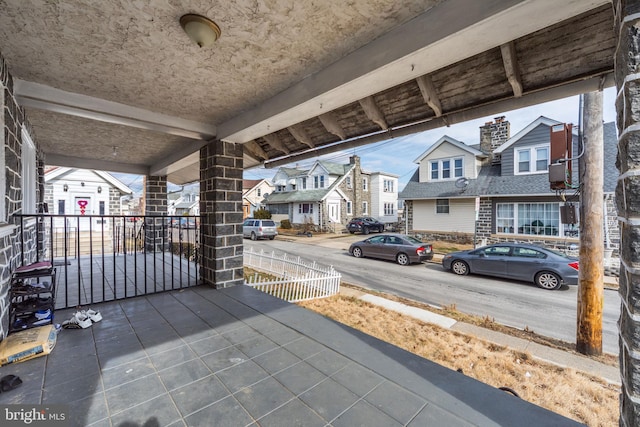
column 254, row 192
column 500, row 189
column 328, row 195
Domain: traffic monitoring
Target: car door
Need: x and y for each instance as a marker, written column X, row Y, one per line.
column 524, row 263
column 374, row 247
column 247, row 227
column 491, row 260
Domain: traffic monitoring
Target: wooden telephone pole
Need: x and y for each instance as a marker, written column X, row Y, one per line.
column 591, row 273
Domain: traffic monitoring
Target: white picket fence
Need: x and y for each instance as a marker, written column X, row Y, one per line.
column 295, row 279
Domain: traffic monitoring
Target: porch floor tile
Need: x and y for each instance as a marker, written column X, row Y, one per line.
column 238, row 357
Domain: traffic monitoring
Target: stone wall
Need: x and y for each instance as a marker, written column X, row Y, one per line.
column 221, row 214
column 12, row 254
column 155, row 204
column 627, row 76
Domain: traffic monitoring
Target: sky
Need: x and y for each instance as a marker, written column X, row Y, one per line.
column 397, row 156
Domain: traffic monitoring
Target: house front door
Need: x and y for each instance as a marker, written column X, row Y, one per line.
column 334, row 212
column 82, row 207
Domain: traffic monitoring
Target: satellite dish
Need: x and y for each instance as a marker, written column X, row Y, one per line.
column 462, row 182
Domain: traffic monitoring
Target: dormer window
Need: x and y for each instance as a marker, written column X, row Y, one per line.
column 444, row 169
column 304, row 183
column 532, row 160
column 318, row 181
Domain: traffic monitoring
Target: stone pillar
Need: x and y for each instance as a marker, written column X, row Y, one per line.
column 221, row 214
column 155, row 204
column 627, row 69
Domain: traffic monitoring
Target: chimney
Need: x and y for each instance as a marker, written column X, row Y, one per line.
column 493, row 135
column 354, row 160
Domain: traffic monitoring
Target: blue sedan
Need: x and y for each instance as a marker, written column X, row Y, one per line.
column 547, row 268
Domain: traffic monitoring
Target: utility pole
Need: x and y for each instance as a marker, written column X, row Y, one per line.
column 591, row 273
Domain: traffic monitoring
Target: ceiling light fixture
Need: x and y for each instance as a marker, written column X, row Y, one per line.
column 201, row 30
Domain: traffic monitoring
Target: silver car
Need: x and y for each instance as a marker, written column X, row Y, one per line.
column 259, row 229
column 546, row 268
column 393, row 247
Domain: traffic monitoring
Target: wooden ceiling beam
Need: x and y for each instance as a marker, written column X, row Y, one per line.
column 429, row 94
column 254, row 149
column 510, row 61
column 276, row 143
column 330, row 123
column 373, row 112
column 301, row 135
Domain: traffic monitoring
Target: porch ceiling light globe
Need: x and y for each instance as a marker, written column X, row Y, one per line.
column 200, row 29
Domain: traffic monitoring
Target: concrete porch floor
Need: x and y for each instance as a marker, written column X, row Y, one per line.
column 239, row 357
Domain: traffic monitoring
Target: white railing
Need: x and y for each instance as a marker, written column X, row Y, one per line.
column 289, row 277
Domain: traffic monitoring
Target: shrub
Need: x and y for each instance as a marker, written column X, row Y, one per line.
column 286, row 224
column 261, row 214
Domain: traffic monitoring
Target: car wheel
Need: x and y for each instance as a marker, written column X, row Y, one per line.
column 253, row 236
column 548, row 280
column 402, row 259
column 459, row 267
column 357, row 252
column 365, row 230
column 351, row 232
column 272, row 237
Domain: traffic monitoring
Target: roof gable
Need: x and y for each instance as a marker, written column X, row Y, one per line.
column 56, row 173
column 542, row 120
column 449, row 140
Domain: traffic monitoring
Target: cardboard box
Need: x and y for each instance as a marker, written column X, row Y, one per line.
column 28, row 344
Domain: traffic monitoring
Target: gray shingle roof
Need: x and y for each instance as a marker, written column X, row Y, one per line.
column 296, row 196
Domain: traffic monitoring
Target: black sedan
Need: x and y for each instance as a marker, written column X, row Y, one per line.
column 395, row 247
column 547, row 268
column 365, row 225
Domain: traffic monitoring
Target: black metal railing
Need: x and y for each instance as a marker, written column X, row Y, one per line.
column 107, row 257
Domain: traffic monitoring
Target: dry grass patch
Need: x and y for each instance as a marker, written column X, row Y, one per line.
column 570, row 393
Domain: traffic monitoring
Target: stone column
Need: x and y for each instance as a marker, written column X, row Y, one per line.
column 155, row 204
column 627, row 75
column 221, row 214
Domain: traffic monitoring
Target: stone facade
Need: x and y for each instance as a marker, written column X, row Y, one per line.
column 12, row 254
column 627, row 76
column 221, row 214
column 155, row 204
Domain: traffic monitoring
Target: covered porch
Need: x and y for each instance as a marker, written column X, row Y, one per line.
column 238, row 357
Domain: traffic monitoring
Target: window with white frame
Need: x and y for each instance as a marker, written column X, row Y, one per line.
column 305, row 208
column 444, row 169
column 365, row 184
column 388, row 186
column 538, row 219
column 349, row 207
column 304, row 183
column 532, row 160
column 347, row 182
column 442, row 206
column 365, row 208
column 28, row 174
column 318, row 181
column 389, row 209
column 259, row 191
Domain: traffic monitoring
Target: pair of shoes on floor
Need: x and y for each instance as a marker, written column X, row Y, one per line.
column 82, row 319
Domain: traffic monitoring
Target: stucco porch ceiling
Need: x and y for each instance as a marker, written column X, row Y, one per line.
column 285, row 78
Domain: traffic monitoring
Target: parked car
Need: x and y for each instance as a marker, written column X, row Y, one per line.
column 259, row 229
column 365, row 225
column 547, row 268
column 403, row 249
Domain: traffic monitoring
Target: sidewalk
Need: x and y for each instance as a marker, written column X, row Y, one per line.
column 543, row 353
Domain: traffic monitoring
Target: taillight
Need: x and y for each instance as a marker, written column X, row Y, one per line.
column 259, row 228
column 574, row 265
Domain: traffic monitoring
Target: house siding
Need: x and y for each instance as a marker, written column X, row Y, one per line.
column 460, row 219
column 379, row 197
column 446, row 151
column 538, row 136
